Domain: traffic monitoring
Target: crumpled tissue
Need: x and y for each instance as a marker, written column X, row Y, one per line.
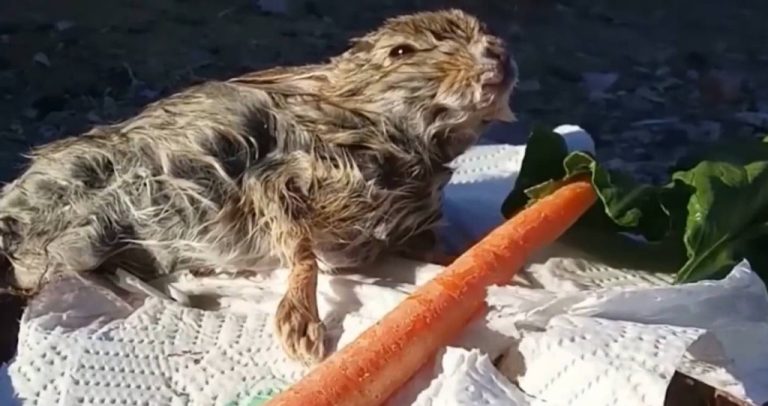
column 588, row 347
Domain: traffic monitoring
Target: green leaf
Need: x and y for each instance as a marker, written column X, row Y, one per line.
column 711, row 215
column 544, row 154
column 728, row 200
column 632, row 207
column 547, row 165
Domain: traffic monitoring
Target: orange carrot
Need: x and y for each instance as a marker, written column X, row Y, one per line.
column 369, row 370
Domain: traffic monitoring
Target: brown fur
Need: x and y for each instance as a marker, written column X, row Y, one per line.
column 323, row 165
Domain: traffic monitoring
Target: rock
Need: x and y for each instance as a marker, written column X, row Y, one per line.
column 48, row 132
column 668, row 83
column 57, row 118
column 674, row 136
column 754, row 118
column 42, row 59
column 93, row 117
column 663, row 71
column 272, row 6
column 638, row 136
column 311, row 8
column 697, row 61
column 199, row 58
column 42, row 27
column 531, row 85
column 30, row 113
column 64, row 25
column 49, row 103
column 117, row 77
column 148, row 94
column 615, row 164
column 719, row 87
column 109, row 105
column 653, row 172
column 8, row 27
column 710, row 131
column 139, row 27
column 563, row 73
column 642, row 154
column 15, row 132
column 650, row 95
column 188, row 19
column 762, row 106
column 635, row 103
column 598, row 83
column 7, row 79
column 656, row 122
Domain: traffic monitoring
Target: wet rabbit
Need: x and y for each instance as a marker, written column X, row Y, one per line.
column 321, row 166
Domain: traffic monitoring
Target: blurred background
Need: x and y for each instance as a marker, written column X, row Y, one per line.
column 647, row 78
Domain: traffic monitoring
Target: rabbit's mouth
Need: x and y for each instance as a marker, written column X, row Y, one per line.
column 498, row 79
column 500, row 75
column 500, row 110
column 497, row 88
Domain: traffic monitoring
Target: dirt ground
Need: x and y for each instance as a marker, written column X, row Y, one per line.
column 647, row 78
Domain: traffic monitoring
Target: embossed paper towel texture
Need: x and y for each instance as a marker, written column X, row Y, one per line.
column 580, row 346
column 167, row 354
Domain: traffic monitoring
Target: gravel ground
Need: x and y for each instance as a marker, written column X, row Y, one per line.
column 648, row 78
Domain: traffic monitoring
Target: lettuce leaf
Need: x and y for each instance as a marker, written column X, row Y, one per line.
column 712, row 214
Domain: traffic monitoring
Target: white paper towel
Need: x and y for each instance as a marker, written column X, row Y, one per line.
column 573, row 352
column 467, row 377
column 578, row 333
column 733, row 311
column 589, row 361
column 164, row 353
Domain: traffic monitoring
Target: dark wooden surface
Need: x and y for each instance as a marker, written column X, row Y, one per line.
column 11, row 308
column 687, row 391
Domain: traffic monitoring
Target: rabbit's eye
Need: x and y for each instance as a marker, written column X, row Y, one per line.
column 401, row 50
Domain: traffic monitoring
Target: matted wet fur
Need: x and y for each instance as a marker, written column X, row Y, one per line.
column 329, row 164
